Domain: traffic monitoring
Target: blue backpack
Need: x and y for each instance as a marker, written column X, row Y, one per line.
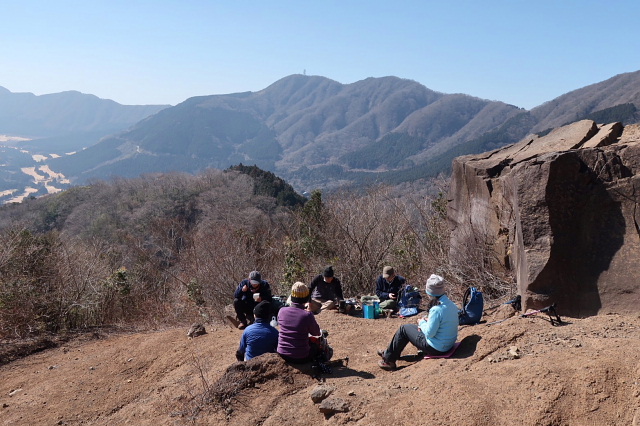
column 472, row 307
column 409, row 301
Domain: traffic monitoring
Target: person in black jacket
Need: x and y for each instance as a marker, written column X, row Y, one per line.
column 388, row 287
column 326, row 291
column 249, row 293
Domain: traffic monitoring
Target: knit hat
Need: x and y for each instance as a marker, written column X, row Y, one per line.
column 328, row 272
column 300, row 292
column 387, row 271
column 262, row 310
column 435, row 286
column 255, row 277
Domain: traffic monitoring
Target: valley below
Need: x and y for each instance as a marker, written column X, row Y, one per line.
column 26, row 174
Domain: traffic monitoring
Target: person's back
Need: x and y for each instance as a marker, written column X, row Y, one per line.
column 296, row 324
column 442, row 327
column 259, row 338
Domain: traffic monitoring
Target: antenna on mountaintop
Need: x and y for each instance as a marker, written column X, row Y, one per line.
column 304, row 72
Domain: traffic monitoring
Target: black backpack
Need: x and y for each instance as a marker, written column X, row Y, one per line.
column 472, row 307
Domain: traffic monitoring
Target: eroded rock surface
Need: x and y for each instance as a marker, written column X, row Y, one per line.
column 560, row 212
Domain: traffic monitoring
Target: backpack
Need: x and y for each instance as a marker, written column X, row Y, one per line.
column 320, row 364
column 472, row 307
column 409, row 301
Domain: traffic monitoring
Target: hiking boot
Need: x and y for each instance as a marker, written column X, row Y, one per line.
column 387, row 365
column 242, row 326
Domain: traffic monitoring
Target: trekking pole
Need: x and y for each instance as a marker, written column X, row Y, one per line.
column 515, row 302
column 498, row 322
column 549, row 310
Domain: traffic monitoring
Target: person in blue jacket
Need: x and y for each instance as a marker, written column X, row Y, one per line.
column 260, row 337
column 433, row 335
column 249, row 293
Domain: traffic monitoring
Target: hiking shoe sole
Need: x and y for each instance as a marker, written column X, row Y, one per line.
column 389, row 366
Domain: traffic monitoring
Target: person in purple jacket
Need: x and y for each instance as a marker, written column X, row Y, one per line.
column 296, row 326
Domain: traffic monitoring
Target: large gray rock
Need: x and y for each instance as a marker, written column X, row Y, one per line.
column 559, row 212
column 331, row 406
column 321, row 392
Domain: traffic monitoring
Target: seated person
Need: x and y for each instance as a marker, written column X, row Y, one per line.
column 326, row 291
column 388, row 287
column 260, row 337
column 249, row 293
column 297, row 325
column 434, row 335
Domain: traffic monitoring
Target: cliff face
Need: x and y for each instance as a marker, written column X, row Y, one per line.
column 558, row 212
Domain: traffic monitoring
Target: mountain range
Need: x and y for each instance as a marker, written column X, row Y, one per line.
column 313, row 131
column 66, row 120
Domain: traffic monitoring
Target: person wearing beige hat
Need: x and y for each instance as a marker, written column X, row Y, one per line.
column 434, row 334
column 297, row 324
column 388, row 287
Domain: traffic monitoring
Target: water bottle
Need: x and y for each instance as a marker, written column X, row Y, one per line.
column 274, row 322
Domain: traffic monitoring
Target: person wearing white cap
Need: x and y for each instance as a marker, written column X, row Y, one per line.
column 433, row 335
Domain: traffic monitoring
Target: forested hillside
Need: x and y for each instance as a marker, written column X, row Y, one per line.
column 168, row 247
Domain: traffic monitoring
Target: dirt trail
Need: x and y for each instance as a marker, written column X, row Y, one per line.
column 521, row 371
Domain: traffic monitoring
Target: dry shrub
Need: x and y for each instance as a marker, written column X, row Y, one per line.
column 153, row 249
column 477, row 265
column 29, row 287
column 363, row 233
column 360, row 233
column 223, row 255
column 165, row 249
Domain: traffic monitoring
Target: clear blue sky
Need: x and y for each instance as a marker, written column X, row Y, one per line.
column 163, row 52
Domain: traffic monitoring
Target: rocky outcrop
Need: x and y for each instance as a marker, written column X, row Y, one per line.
column 558, row 212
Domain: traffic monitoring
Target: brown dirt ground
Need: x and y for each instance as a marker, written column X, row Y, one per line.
column 586, row 372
